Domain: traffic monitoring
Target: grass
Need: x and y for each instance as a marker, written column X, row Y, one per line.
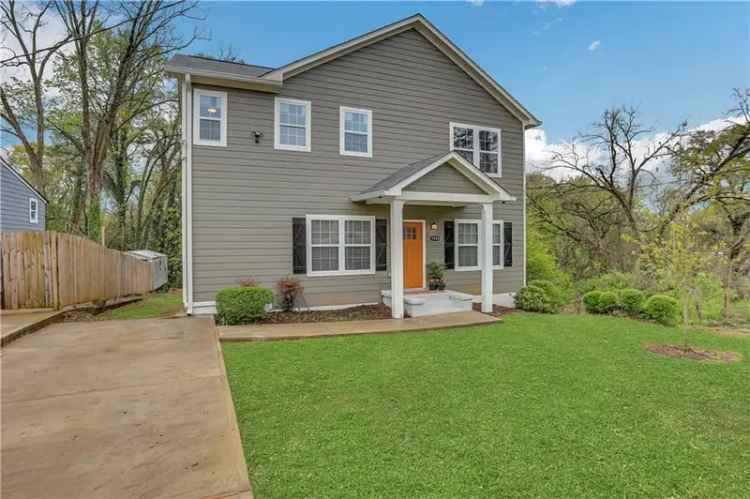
column 538, row 406
column 152, row 305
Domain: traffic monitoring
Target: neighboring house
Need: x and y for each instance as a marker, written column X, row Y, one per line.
column 21, row 206
column 352, row 169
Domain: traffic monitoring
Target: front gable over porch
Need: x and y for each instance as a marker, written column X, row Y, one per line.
column 447, row 180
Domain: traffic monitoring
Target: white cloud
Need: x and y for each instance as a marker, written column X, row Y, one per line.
column 595, row 45
column 476, row 3
column 559, row 3
column 548, row 25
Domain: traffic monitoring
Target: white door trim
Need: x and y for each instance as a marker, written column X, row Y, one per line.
column 424, row 249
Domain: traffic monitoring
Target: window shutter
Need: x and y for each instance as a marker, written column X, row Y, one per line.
column 449, row 244
column 507, row 244
column 381, row 244
column 299, row 248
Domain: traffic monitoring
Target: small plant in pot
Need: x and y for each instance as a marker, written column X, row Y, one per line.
column 436, row 275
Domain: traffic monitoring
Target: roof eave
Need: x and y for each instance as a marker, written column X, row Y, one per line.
column 220, row 78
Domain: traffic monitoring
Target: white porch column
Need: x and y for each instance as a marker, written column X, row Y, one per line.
column 397, row 259
column 486, row 255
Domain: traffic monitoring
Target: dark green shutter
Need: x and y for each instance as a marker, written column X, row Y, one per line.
column 381, row 244
column 299, row 248
column 507, row 244
column 448, row 245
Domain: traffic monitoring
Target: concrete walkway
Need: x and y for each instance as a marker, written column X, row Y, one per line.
column 125, row 409
column 16, row 323
column 270, row 332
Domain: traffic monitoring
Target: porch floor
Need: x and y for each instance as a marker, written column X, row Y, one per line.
column 271, row 332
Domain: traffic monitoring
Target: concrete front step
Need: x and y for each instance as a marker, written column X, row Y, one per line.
column 432, row 302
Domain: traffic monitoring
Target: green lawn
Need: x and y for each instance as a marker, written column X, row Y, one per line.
column 152, row 305
column 539, row 406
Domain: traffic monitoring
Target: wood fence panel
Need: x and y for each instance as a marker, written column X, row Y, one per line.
column 52, row 270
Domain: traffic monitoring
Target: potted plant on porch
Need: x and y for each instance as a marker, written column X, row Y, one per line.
column 436, row 273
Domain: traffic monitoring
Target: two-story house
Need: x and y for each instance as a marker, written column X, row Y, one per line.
column 353, row 168
column 22, row 207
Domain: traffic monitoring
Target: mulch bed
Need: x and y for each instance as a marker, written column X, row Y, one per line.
column 681, row 352
column 497, row 310
column 360, row 313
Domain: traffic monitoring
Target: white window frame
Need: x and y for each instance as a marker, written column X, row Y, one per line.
column 277, row 124
column 342, row 219
column 342, row 132
column 222, row 142
column 501, row 244
column 457, row 245
column 477, row 129
column 33, row 213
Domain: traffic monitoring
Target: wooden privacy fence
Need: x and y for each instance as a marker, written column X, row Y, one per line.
column 54, row 270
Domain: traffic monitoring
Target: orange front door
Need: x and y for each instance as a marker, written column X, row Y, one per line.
column 413, row 263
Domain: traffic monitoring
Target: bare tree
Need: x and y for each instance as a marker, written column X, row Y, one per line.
column 617, row 158
column 22, row 100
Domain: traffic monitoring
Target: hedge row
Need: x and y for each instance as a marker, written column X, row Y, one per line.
column 632, row 302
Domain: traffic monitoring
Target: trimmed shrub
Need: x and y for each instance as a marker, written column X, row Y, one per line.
column 591, row 302
column 553, row 293
column 661, row 308
column 631, row 301
column 242, row 305
column 608, row 302
column 532, row 299
column 607, row 282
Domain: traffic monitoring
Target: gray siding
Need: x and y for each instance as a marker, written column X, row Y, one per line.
column 245, row 194
column 445, row 179
column 14, row 203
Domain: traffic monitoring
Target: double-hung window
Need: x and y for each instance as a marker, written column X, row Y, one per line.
column 339, row 245
column 479, row 145
column 467, row 245
column 497, row 244
column 210, row 111
column 33, row 210
column 355, row 130
column 292, row 124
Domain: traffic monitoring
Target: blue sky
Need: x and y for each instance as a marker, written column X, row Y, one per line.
column 673, row 60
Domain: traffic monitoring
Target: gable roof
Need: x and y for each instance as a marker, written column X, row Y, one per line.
column 394, row 184
column 24, row 181
column 235, row 72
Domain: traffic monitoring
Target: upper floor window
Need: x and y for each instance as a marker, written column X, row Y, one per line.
column 33, row 210
column 355, row 132
column 479, row 145
column 292, row 122
column 210, row 127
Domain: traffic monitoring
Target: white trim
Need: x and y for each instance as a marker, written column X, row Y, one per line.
column 456, row 266
column 476, row 150
column 34, row 215
column 197, row 94
column 277, row 101
column 342, row 142
column 440, row 41
column 189, row 197
column 502, row 244
column 342, row 219
column 203, row 308
column 424, row 248
column 525, row 228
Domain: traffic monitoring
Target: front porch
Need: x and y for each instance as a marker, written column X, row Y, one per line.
column 445, row 180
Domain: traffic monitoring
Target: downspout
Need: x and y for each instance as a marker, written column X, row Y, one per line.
column 183, row 192
column 523, row 169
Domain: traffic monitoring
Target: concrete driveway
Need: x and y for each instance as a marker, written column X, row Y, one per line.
column 119, row 409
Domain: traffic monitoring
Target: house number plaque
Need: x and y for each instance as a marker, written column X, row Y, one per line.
column 434, row 238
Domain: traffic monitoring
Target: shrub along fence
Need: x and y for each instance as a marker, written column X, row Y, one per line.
column 54, row 270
